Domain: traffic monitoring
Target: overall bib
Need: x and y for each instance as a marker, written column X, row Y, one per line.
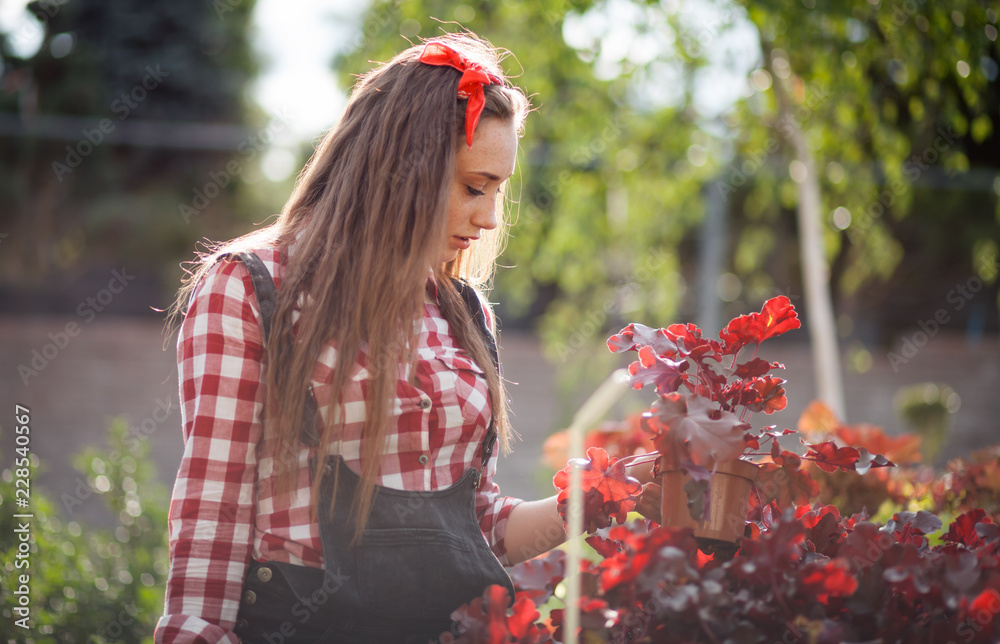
column 421, row 556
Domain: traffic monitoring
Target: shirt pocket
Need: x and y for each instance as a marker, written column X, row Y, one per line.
column 462, row 392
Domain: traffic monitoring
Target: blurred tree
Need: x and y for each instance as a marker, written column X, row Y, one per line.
column 899, row 103
column 119, row 119
column 646, row 108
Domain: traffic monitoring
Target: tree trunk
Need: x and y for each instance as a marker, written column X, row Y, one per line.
column 815, row 271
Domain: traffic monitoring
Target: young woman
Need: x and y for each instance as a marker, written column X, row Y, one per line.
column 337, row 477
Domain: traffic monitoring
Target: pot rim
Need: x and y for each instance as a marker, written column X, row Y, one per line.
column 736, row 467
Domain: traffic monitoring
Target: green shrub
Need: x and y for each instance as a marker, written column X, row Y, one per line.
column 90, row 585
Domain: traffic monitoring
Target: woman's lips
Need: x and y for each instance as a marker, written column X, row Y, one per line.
column 463, row 242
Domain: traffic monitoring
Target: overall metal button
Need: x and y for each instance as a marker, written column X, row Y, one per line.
column 423, row 459
column 250, row 598
column 264, row 574
column 424, row 403
column 241, row 624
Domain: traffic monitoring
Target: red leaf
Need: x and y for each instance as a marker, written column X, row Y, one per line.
column 484, row 619
column 829, row 457
column 776, row 316
column 818, row 420
column 963, row 528
column 608, row 491
column 755, row 367
column 537, row 578
column 651, row 368
column 689, row 342
column 689, row 429
column 983, row 610
column 637, row 335
column 604, row 547
column 904, row 448
column 523, row 617
column 867, row 460
column 829, row 578
column 772, row 395
column 704, row 559
column 785, row 484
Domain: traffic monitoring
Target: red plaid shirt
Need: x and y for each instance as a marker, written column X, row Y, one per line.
column 216, row 517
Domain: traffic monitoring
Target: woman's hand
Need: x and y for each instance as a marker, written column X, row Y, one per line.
column 648, row 504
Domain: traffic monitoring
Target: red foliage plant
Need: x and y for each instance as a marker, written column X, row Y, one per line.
column 808, row 575
column 706, row 396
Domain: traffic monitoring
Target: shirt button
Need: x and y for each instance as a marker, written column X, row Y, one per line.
column 250, row 597
column 425, row 403
column 423, row 459
column 264, row 574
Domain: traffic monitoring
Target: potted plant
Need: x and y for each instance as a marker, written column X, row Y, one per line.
column 707, row 392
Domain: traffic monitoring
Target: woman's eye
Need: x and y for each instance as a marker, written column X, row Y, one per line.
column 474, row 192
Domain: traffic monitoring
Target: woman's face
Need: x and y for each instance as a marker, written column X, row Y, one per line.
column 479, row 173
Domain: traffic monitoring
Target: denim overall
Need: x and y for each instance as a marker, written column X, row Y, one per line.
column 421, row 556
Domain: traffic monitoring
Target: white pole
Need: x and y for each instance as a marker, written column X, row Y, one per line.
column 593, row 410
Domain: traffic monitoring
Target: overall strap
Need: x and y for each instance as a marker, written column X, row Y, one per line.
column 263, row 286
column 479, row 318
column 267, row 299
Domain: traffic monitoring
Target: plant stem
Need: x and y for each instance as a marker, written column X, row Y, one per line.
column 648, row 457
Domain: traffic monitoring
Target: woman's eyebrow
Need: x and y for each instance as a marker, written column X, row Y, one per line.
column 488, row 175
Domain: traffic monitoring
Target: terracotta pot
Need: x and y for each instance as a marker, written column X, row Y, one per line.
column 729, row 499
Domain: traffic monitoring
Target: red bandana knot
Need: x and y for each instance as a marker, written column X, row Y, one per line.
column 470, row 86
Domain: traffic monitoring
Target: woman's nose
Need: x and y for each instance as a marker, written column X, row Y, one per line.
column 486, row 217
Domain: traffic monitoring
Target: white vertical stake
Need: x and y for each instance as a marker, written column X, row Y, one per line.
column 596, row 406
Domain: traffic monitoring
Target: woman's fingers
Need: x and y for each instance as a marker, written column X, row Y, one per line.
column 643, row 471
column 648, row 504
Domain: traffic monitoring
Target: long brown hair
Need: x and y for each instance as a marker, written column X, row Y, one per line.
column 367, row 217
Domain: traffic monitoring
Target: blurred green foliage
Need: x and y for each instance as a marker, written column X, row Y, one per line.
column 647, row 112
column 899, row 102
column 88, row 585
column 926, row 409
column 73, row 200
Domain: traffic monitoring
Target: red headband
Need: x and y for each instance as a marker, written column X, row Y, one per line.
column 471, row 84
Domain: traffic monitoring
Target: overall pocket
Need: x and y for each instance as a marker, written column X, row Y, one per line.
column 283, row 602
column 416, row 575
